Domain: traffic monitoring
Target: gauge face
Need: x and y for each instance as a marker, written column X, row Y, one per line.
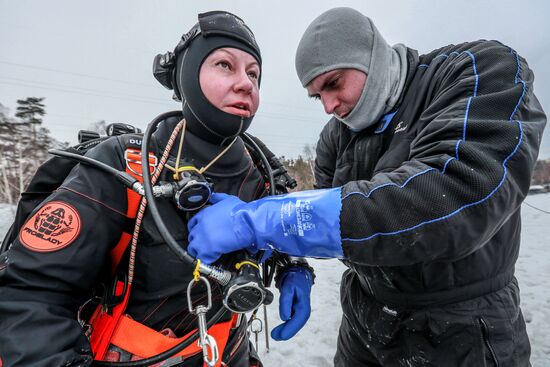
column 193, row 195
column 242, row 298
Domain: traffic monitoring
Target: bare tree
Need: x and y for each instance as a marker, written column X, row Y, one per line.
column 4, row 111
column 309, row 156
column 541, row 173
column 23, row 146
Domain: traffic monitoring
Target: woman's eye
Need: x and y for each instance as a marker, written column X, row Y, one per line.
column 253, row 74
column 223, row 65
column 316, row 97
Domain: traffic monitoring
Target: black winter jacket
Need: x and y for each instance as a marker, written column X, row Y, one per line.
column 40, row 292
column 431, row 196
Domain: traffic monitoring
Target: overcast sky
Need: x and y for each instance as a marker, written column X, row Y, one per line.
column 92, row 60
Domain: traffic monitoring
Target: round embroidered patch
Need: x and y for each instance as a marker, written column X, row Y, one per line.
column 51, row 228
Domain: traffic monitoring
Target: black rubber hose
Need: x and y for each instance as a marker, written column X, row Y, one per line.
column 152, row 206
column 122, row 176
column 249, row 140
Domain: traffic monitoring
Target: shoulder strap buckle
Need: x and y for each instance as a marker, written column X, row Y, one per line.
column 133, row 161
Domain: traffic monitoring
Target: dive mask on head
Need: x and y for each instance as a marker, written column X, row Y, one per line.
column 164, row 65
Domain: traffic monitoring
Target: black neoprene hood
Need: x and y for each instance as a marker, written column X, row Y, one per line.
column 215, row 30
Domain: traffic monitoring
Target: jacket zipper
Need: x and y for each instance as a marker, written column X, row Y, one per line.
column 485, row 339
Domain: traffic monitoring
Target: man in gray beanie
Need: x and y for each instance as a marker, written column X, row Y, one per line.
column 420, row 175
column 359, row 47
column 435, row 158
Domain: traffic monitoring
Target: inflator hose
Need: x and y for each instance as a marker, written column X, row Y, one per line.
column 164, row 232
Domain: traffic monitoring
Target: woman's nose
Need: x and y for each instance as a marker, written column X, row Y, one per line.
column 243, row 82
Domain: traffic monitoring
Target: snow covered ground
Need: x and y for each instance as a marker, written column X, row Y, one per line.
column 316, row 343
column 533, row 272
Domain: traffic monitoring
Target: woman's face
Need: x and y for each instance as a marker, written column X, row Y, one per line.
column 229, row 80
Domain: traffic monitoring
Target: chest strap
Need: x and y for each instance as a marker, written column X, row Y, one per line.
column 133, row 167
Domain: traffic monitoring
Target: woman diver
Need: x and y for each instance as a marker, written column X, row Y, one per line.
column 52, row 311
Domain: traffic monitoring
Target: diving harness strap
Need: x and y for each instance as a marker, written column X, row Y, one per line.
column 109, row 328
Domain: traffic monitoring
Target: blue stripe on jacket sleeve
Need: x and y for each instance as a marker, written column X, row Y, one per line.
column 517, row 80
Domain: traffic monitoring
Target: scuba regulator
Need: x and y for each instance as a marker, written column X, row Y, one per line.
column 244, row 290
column 190, row 190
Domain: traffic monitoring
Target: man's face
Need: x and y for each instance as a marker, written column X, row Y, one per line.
column 339, row 90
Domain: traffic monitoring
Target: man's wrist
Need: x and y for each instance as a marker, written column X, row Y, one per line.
column 297, row 263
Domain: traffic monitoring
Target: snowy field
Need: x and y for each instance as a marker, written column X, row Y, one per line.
column 314, row 346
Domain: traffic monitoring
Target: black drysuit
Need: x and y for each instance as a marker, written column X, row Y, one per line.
column 430, row 218
column 40, row 292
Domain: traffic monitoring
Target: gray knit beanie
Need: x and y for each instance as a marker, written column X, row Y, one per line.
column 343, row 38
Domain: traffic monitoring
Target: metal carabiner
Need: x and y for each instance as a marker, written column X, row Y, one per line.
column 208, row 294
column 206, row 341
column 209, row 345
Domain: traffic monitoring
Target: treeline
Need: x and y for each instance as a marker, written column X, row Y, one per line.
column 541, row 175
column 24, row 143
column 300, row 169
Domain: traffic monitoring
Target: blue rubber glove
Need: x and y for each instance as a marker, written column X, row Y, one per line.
column 294, row 302
column 305, row 223
column 216, row 225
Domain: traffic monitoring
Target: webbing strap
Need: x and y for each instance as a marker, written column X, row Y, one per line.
column 142, row 341
column 133, row 167
column 104, row 323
